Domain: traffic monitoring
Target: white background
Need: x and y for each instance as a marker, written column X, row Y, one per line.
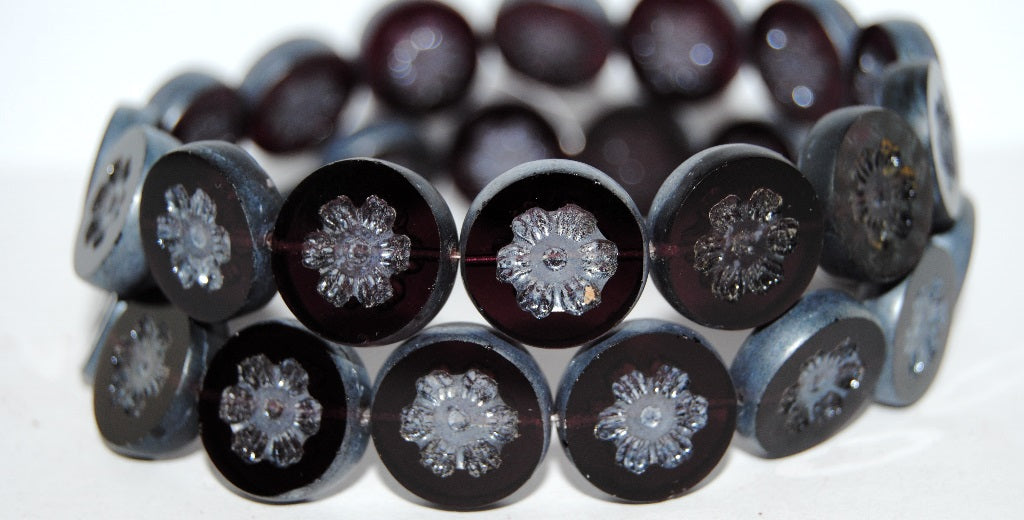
column 957, row 453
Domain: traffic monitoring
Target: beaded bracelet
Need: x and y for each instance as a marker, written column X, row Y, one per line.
column 553, row 253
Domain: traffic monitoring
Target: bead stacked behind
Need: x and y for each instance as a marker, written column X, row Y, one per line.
column 554, row 252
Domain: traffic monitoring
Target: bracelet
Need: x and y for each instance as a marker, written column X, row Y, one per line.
column 189, row 231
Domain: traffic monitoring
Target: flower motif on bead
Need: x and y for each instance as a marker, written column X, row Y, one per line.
column 109, row 203
column 884, row 194
column 558, row 261
column 139, row 370
column 825, row 379
column 356, row 251
column 198, row 246
column 652, row 420
column 270, row 411
column 923, row 339
column 747, row 244
column 459, row 422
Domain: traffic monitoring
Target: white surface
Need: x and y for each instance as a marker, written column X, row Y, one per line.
column 957, row 453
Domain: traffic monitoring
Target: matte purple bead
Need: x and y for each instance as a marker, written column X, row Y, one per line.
column 419, row 55
column 494, row 140
column 756, row 133
column 683, row 49
column 803, row 48
column 879, row 46
column 555, row 41
column 295, row 93
column 194, row 106
column 638, row 147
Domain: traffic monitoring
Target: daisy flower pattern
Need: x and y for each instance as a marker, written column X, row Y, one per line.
column 356, row 251
column 825, row 380
column 459, row 422
column 886, row 188
column 197, row 244
column 139, row 370
column 748, row 241
column 558, row 261
column 652, row 419
column 270, row 411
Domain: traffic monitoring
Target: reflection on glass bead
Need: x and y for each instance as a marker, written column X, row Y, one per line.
column 558, row 261
column 110, row 202
column 197, row 244
column 924, row 334
column 652, row 420
column 459, row 422
column 139, row 370
column 356, row 251
column 270, row 411
column 883, row 201
column 824, row 381
column 748, row 241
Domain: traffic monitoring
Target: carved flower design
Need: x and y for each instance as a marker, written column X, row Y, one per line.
column 558, row 261
column 270, row 411
column 883, row 201
column 110, row 201
column 825, row 380
column 139, row 370
column 197, row 244
column 652, row 419
column 459, row 422
column 923, row 339
column 748, row 241
column 356, row 251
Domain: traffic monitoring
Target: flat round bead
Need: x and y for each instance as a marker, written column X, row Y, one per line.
column 915, row 316
column 736, row 235
column 757, row 133
column 638, row 147
column 494, row 140
column 394, row 140
column 882, row 44
column 206, row 209
column 294, row 94
column 108, row 245
column 806, row 375
column 461, row 416
column 917, row 92
column 684, row 49
column 804, row 49
column 194, row 106
column 281, row 413
column 647, row 412
column 146, row 385
column 559, row 42
column 874, row 180
column 419, row 55
column 363, row 252
column 959, row 243
column 554, row 253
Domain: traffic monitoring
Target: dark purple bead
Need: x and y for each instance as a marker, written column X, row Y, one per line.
column 194, row 106
column 295, row 94
column 554, row 253
column 461, row 416
column 419, row 55
column 655, row 382
column 882, row 44
column 756, row 133
column 638, row 147
column 494, row 140
column 684, row 49
column 280, row 413
column 560, row 42
column 804, row 49
column 205, row 212
column 736, row 232
column 363, row 252
column 394, row 140
column 874, row 179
